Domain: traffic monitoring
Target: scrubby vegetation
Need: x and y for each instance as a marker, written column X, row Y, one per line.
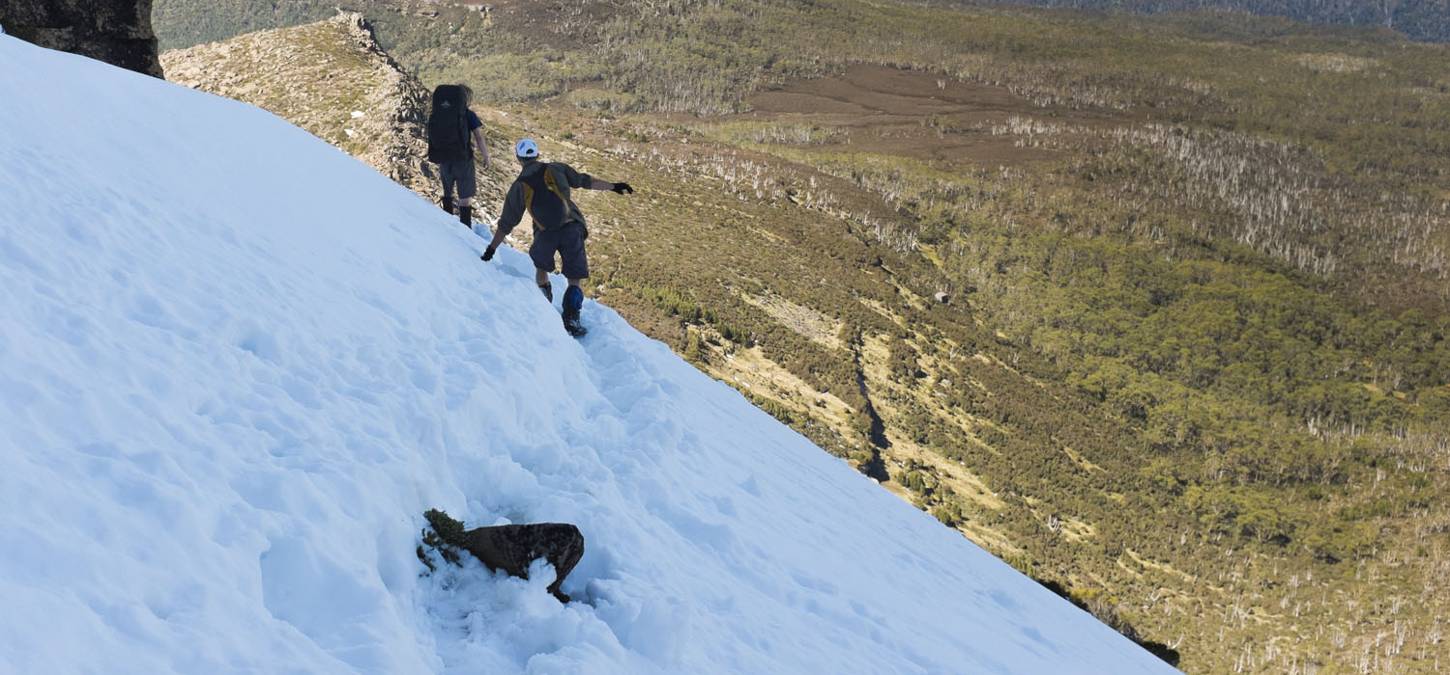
column 1194, row 364
column 1418, row 19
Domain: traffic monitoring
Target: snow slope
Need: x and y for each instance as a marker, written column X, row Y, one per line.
column 236, row 366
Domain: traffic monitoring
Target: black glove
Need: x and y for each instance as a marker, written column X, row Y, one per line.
column 622, row 189
column 488, row 253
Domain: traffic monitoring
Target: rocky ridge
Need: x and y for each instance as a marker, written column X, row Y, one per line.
column 330, row 78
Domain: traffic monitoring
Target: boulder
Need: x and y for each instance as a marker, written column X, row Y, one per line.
column 115, row 31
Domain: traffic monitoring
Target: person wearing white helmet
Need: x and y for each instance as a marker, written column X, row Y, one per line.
column 542, row 189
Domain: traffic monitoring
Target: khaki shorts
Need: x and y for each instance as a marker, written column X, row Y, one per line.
column 460, row 175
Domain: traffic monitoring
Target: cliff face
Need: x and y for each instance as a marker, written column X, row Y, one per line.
column 330, row 78
column 115, row 31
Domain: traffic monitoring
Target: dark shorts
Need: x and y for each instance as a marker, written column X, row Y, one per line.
column 568, row 242
column 458, row 174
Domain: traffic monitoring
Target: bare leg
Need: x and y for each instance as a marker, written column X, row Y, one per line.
column 541, row 277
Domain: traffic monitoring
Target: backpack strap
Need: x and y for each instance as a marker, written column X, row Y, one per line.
column 553, row 185
column 529, row 194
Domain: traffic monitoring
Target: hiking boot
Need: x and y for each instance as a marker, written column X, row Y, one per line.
column 548, row 292
column 572, row 324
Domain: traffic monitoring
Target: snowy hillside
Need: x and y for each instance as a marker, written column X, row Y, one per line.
column 236, row 366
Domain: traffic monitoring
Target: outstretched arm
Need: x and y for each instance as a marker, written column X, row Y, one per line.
column 584, row 180
column 619, row 188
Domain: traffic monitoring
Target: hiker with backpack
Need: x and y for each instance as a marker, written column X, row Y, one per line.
column 542, row 189
column 453, row 132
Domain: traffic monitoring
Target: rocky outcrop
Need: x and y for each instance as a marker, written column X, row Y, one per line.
column 330, row 78
column 115, row 31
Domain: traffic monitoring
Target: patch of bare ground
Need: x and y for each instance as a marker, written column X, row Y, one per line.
column 805, row 321
column 908, row 113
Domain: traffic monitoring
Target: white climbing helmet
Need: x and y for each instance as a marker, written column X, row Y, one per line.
column 526, row 149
